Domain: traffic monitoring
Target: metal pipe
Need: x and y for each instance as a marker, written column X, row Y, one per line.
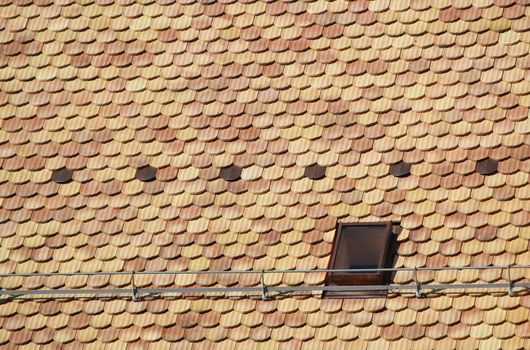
column 258, row 290
column 265, row 290
column 218, row 272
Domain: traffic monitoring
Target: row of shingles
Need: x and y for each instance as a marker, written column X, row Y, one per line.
column 334, row 307
column 222, row 341
column 284, row 320
column 189, row 318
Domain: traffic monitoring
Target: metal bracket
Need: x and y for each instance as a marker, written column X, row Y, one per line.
column 135, row 292
column 264, row 288
column 419, row 292
column 511, row 292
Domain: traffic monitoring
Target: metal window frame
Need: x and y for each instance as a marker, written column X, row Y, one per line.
column 359, row 278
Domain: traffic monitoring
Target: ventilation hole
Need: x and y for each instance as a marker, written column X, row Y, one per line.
column 230, row 173
column 146, row 173
column 487, row 166
column 315, row 172
column 62, row 176
column 400, row 169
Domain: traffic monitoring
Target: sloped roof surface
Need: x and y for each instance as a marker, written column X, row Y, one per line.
column 192, row 87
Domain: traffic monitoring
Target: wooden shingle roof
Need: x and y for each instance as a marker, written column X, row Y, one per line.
column 120, row 123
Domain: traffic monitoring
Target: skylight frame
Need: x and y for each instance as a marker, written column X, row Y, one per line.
column 359, row 278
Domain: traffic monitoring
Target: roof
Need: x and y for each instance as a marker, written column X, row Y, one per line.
column 189, row 88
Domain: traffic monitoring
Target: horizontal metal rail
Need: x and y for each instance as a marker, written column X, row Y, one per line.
column 216, row 272
column 258, row 290
column 264, row 289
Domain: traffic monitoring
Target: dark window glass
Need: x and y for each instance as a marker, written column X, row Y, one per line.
column 361, row 246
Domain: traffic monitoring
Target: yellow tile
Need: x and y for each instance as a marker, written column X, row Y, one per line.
column 516, row 316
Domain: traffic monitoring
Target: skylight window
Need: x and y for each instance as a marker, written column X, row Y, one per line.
column 361, row 246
